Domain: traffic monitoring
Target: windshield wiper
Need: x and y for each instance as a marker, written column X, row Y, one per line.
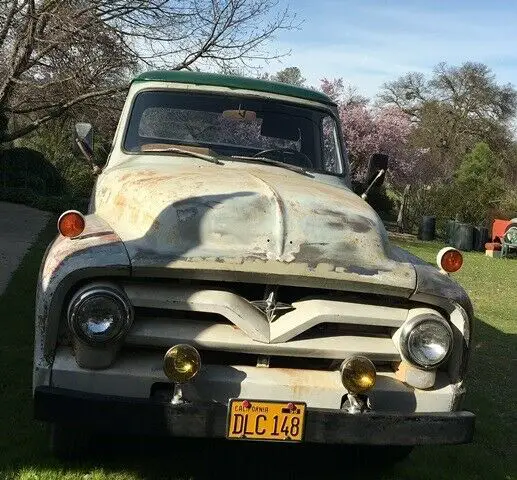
column 182, row 151
column 269, row 161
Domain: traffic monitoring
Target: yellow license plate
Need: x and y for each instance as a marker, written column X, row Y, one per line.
column 263, row 420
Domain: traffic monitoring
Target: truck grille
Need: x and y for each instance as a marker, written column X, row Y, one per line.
column 323, row 329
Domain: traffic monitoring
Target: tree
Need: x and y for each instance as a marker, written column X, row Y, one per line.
column 470, row 90
column 290, row 75
column 342, row 94
column 369, row 130
column 455, row 108
column 478, row 167
column 477, row 188
column 56, row 54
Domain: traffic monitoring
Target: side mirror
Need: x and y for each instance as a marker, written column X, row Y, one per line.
column 84, row 140
column 377, row 167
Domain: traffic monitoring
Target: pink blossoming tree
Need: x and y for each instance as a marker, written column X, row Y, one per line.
column 369, row 130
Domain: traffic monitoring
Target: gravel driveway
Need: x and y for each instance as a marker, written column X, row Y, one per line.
column 19, row 228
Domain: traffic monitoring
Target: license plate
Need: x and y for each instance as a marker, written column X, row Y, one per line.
column 263, row 420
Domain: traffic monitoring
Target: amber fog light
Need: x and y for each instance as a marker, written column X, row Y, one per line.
column 181, row 363
column 358, row 374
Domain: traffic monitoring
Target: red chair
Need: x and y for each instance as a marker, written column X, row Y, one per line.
column 499, row 229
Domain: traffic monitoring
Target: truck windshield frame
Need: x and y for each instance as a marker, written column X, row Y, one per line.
column 161, row 118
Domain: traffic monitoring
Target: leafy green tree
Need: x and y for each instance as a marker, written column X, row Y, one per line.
column 478, row 187
column 478, row 167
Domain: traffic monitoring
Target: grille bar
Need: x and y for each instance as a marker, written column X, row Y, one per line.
column 165, row 332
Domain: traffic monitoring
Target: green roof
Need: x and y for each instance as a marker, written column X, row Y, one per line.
column 230, row 81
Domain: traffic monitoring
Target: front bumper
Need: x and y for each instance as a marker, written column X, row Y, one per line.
column 142, row 416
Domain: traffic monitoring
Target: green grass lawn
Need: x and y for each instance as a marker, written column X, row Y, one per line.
column 492, row 285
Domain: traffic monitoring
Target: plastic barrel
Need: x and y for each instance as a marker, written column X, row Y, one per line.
column 427, row 230
column 480, row 238
column 463, row 238
column 451, row 231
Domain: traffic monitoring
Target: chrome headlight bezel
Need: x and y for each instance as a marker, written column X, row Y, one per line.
column 408, row 328
column 83, row 295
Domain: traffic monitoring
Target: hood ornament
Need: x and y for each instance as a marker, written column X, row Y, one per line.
column 269, row 306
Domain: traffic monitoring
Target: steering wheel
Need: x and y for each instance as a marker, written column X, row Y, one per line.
column 281, row 152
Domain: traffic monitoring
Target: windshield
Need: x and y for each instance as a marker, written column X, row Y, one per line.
column 234, row 126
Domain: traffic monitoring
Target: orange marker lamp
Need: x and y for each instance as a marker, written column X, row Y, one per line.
column 449, row 260
column 71, row 223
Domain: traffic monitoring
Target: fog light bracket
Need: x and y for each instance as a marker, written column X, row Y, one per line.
column 355, row 404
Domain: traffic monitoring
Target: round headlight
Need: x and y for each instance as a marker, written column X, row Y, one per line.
column 99, row 315
column 426, row 341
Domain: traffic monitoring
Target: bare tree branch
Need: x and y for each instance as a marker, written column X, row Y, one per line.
column 58, row 110
column 55, row 54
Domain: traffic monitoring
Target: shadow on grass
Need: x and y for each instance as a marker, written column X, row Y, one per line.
column 206, row 459
column 23, row 442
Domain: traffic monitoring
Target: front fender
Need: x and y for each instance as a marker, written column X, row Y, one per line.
column 98, row 251
column 439, row 289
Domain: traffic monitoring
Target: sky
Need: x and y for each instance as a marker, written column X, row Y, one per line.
column 370, row 42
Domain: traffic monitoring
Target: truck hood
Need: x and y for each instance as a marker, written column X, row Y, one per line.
column 189, row 215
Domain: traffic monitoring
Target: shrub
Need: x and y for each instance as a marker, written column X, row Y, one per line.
column 382, row 201
column 27, row 177
column 477, row 194
column 55, row 141
column 77, row 176
column 53, row 203
column 27, row 168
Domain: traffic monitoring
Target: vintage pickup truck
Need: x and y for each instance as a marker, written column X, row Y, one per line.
column 228, row 282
